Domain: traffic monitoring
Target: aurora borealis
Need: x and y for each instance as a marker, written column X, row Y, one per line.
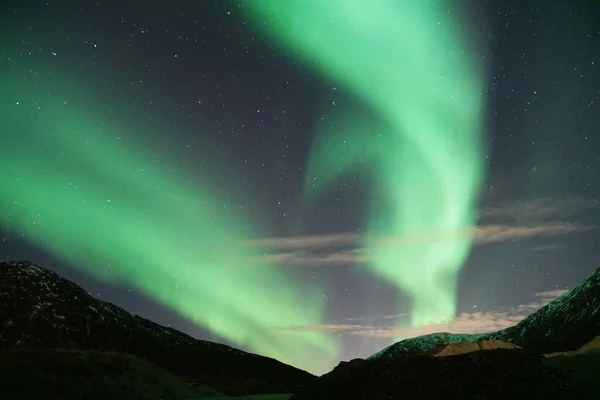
column 119, row 223
column 306, row 180
column 409, row 62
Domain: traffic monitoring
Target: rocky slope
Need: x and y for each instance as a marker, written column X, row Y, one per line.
column 423, row 344
column 594, row 344
column 583, row 364
column 565, row 324
column 492, row 374
column 39, row 309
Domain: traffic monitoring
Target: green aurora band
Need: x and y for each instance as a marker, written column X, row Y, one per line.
column 408, row 64
column 76, row 186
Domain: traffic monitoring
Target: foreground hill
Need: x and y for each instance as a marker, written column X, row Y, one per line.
column 565, row 324
column 583, row 366
column 491, row 374
column 497, row 365
column 39, row 309
column 74, row 375
column 583, row 363
column 593, row 344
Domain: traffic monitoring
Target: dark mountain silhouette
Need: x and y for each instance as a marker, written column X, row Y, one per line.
column 483, row 366
column 565, row 324
column 583, row 364
column 486, row 374
column 39, row 309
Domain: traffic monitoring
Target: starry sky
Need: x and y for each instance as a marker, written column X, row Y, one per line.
column 201, row 163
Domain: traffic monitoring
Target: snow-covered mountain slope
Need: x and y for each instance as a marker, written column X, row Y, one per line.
column 423, row 344
column 565, row 324
column 39, row 309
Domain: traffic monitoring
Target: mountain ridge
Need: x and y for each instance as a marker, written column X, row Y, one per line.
column 565, row 324
column 40, row 309
column 486, row 374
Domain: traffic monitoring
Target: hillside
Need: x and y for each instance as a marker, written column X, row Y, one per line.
column 103, row 346
column 423, row 344
column 39, row 309
column 492, row 374
column 75, row 375
column 583, row 363
column 565, row 324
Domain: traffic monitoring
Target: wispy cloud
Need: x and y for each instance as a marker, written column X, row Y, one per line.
column 538, row 209
column 480, row 234
column 311, row 258
column 487, row 233
column 378, row 317
column 547, row 247
column 503, row 233
column 538, row 218
column 303, row 242
column 316, row 252
column 470, row 323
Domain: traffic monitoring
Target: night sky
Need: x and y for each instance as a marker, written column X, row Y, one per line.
column 163, row 155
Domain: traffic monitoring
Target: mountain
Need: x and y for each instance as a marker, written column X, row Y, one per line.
column 594, row 344
column 565, row 324
column 492, row 374
column 423, row 344
column 441, row 344
column 39, row 309
column 583, row 364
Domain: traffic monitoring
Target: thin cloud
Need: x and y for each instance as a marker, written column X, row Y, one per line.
column 394, row 316
column 311, row 241
column 547, row 247
column 469, row 323
column 480, row 235
column 338, row 257
column 334, row 328
column 538, row 209
column 346, row 248
column 311, row 259
column 503, row 233
column 486, row 234
column 378, row 317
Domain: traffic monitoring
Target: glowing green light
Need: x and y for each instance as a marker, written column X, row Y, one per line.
column 74, row 184
column 406, row 61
